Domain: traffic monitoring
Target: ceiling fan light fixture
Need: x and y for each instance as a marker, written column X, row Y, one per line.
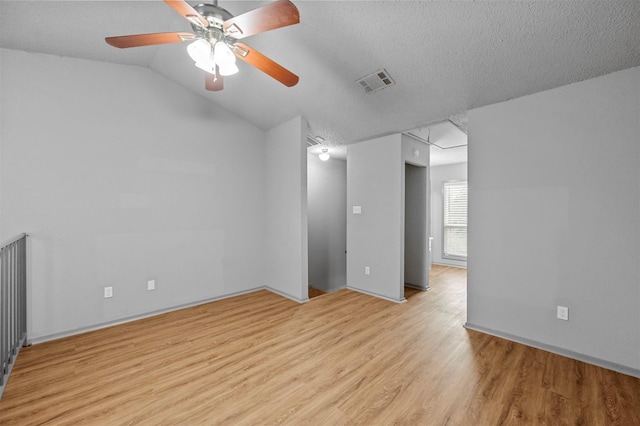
column 200, row 51
column 222, row 55
column 228, row 70
column 208, row 66
column 324, row 156
column 225, row 59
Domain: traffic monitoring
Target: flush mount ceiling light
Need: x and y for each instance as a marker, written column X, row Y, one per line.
column 215, row 36
column 324, row 156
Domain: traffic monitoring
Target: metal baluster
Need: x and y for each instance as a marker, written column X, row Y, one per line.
column 3, row 313
column 13, row 300
column 23, row 290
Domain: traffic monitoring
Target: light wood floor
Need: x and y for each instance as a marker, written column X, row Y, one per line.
column 343, row 358
column 315, row 292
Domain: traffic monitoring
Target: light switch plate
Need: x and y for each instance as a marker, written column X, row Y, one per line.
column 357, row 209
column 563, row 313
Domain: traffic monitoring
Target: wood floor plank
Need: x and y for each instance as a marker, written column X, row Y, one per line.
column 315, row 292
column 343, row 358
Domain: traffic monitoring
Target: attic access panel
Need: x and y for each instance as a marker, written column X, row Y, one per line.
column 444, row 135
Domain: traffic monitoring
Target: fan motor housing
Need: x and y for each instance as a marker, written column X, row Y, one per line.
column 212, row 13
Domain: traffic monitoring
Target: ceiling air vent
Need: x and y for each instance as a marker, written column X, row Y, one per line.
column 376, row 81
column 311, row 141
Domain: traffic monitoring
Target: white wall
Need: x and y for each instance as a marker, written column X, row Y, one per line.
column 554, row 219
column 327, row 215
column 120, row 176
column 285, row 195
column 439, row 175
column 375, row 238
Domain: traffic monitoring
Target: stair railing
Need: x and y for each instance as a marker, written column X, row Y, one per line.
column 13, row 303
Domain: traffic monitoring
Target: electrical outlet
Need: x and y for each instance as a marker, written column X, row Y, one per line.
column 151, row 285
column 563, row 313
column 108, row 292
column 367, row 271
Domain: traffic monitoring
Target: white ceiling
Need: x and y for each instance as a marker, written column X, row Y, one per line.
column 446, row 57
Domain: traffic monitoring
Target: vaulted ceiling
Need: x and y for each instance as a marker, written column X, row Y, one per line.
column 446, row 57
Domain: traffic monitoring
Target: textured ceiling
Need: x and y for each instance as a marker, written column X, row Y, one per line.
column 446, row 57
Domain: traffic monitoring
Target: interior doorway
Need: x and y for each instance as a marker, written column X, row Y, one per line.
column 416, row 227
column 327, row 222
column 447, row 142
column 448, row 159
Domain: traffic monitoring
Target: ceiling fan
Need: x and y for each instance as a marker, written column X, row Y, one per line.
column 214, row 47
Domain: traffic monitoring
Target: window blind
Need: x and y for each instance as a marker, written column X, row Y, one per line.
column 455, row 219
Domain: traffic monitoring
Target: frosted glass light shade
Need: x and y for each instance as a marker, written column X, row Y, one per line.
column 226, row 70
column 207, row 66
column 200, row 51
column 207, row 57
column 324, row 156
column 224, row 58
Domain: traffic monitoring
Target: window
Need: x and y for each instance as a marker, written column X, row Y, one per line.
column 454, row 233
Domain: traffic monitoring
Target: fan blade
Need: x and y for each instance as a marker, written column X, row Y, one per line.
column 213, row 83
column 149, row 39
column 188, row 12
column 274, row 15
column 264, row 64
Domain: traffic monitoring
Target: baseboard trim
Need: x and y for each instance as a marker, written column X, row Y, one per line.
column 63, row 334
column 287, row 295
column 379, row 296
column 558, row 350
column 417, row 287
column 449, row 265
column 331, row 290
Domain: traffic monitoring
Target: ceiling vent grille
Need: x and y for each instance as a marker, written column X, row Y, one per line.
column 312, row 141
column 376, row 81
